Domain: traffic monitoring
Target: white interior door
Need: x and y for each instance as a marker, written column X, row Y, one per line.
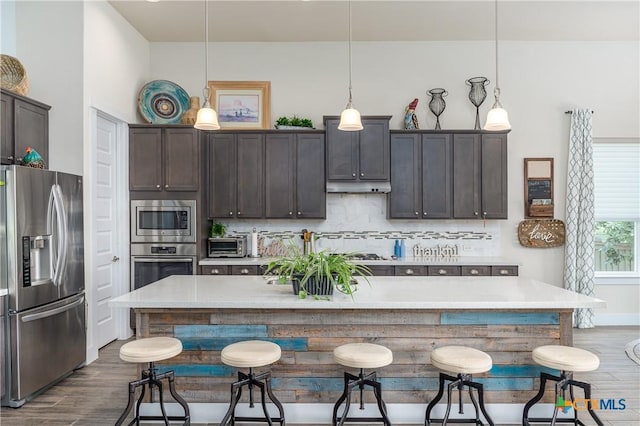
column 107, row 260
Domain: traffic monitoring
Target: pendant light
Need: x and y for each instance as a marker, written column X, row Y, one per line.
column 350, row 117
column 207, row 118
column 497, row 118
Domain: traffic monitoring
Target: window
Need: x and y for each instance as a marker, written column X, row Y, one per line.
column 617, row 207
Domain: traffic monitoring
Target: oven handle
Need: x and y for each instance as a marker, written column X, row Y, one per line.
column 163, row 259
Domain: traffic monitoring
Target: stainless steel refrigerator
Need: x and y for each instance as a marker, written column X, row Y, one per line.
column 42, row 267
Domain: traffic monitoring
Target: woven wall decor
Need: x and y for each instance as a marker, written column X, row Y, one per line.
column 13, row 75
column 541, row 233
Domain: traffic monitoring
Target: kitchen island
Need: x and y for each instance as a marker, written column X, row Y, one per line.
column 507, row 317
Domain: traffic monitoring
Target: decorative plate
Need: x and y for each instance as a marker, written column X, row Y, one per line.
column 162, row 102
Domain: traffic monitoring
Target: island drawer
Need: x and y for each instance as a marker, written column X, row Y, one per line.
column 381, row 270
column 215, row 270
column 245, row 270
column 505, row 271
column 410, row 270
column 475, row 271
column 443, row 270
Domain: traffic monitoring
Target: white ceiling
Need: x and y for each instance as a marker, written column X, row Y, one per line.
column 383, row 20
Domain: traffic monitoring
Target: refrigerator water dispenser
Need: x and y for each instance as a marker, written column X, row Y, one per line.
column 37, row 266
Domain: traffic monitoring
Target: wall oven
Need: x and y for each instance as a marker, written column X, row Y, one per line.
column 155, row 221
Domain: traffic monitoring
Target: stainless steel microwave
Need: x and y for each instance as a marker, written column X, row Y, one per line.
column 227, row 247
column 163, row 221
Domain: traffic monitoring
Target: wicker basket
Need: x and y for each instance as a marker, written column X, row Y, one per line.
column 14, row 76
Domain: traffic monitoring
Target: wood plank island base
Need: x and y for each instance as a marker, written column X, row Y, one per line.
column 506, row 317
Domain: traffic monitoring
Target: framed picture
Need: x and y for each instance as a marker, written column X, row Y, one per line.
column 242, row 104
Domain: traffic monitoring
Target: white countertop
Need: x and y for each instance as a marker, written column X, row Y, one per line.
column 253, row 292
column 458, row 261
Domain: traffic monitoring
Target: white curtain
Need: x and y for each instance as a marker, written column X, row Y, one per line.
column 580, row 223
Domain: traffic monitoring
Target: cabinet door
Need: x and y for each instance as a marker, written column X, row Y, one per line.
column 7, row 154
column 405, row 196
column 342, row 152
column 250, row 189
column 181, row 159
column 279, row 176
column 311, row 194
column 466, row 176
column 494, row 176
column 31, row 128
column 221, row 171
column 374, row 150
column 436, row 176
column 145, row 159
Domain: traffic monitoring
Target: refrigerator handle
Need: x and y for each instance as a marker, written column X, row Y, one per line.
column 52, row 312
column 63, row 229
column 55, row 240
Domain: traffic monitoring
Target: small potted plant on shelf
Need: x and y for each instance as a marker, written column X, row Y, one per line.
column 217, row 230
column 293, row 123
column 317, row 273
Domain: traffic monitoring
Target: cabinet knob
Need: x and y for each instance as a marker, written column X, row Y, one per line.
column 504, row 272
column 484, row 214
column 299, row 213
column 442, row 272
column 353, row 174
column 474, row 272
column 424, row 213
column 10, row 158
column 230, row 213
column 166, row 186
column 361, row 173
column 158, row 186
column 215, row 271
column 290, row 213
column 408, row 271
column 475, row 213
column 239, row 212
column 416, row 213
column 19, row 160
column 244, row 271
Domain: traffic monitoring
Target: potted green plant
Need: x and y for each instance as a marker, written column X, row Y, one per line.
column 217, row 230
column 295, row 122
column 318, row 273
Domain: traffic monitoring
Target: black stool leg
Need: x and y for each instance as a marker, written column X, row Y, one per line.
column 435, row 400
column 377, row 392
column 347, row 378
column 170, row 376
column 543, row 384
column 275, row 400
column 480, row 388
column 450, row 387
column 236, row 392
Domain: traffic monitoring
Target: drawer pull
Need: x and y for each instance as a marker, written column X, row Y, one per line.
column 442, row 272
column 474, row 272
column 409, row 271
column 504, row 272
column 215, row 271
column 244, row 271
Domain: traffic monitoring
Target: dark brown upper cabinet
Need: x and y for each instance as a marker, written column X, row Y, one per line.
column 294, row 176
column 164, row 158
column 361, row 155
column 235, row 175
column 420, row 176
column 24, row 123
column 480, row 176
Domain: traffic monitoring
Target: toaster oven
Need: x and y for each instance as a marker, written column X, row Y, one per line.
column 227, row 246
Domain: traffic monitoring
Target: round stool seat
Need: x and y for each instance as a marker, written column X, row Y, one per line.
column 565, row 358
column 150, row 349
column 461, row 360
column 251, row 353
column 362, row 355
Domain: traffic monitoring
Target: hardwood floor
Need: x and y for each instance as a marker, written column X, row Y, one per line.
column 96, row 394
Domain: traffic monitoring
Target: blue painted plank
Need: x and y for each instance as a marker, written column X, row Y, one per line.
column 520, row 371
column 234, row 330
column 218, row 343
column 199, row 370
column 499, row 318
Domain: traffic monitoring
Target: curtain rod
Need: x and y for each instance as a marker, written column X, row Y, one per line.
column 571, row 112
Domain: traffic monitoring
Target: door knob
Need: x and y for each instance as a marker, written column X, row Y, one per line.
column 115, row 259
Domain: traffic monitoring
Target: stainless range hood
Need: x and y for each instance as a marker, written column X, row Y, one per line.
column 359, row 187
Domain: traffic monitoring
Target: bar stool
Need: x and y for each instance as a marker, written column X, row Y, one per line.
column 251, row 354
column 568, row 360
column 150, row 350
column 464, row 362
column 361, row 355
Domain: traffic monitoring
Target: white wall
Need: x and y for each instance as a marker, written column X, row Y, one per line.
column 49, row 45
column 539, row 82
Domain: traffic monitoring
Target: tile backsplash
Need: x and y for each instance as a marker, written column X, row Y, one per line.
column 358, row 222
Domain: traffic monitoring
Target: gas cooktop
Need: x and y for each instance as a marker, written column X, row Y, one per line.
column 363, row 256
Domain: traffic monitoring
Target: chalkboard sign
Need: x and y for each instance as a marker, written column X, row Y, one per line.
column 539, row 189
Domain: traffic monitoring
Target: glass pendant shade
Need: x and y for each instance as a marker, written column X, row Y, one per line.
column 207, row 118
column 497, row 119
column 350, row 120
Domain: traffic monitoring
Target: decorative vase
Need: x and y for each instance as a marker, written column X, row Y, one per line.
column 477, row 95
column 190, row 115
column 437, row 103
